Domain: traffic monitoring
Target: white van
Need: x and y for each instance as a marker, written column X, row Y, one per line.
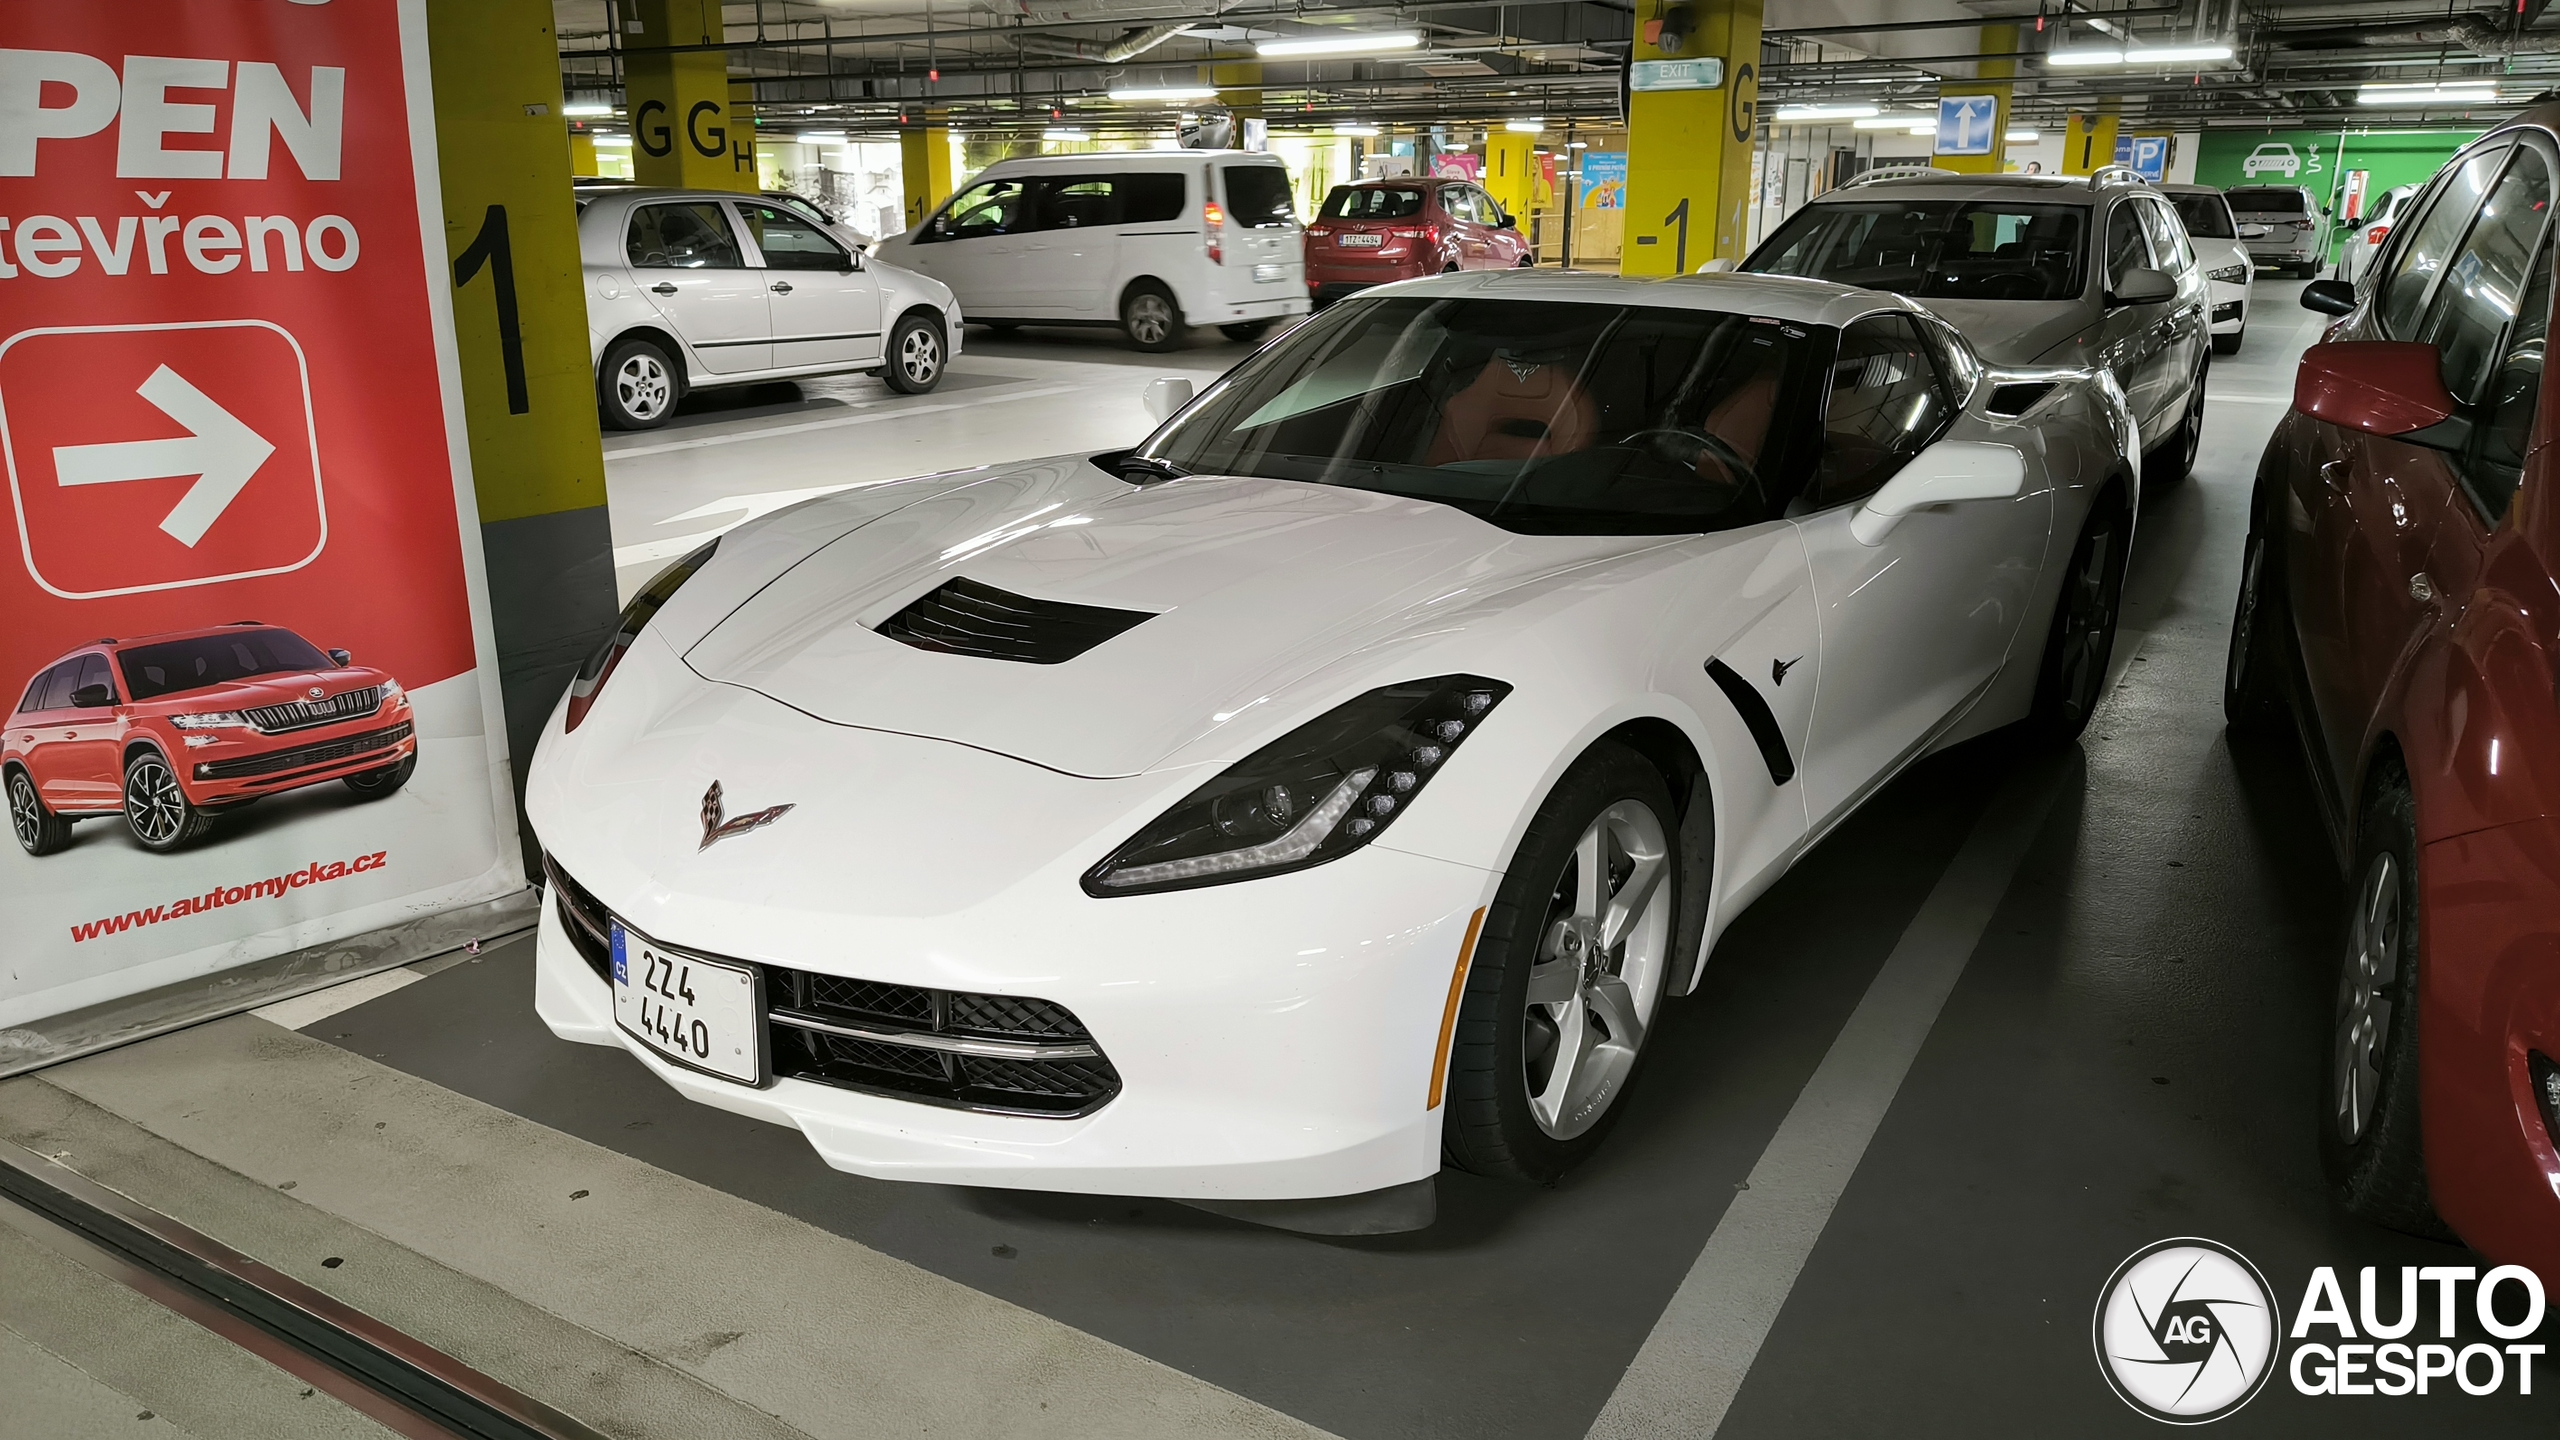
column 1148, row 240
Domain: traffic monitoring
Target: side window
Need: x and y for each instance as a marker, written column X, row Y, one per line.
column 2423, row 256
column 990, row 207
column 53, row 689
column 792, row 241
column 1955, row 359
column 1151, row 197
column 1460, row 201
column 2476, row 301
column 1487, row 209
column 1886, row 400
column 2126, row 252
column 2168, row 237
column 93, row 671
column 1078, row 202
column 682, row 237
column 2494, row 464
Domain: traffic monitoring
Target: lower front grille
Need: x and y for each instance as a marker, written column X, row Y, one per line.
column 588, row 924
column 307, row 755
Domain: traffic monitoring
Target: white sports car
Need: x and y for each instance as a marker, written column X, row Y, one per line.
column 1337, row 783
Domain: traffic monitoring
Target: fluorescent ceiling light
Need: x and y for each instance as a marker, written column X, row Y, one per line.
column 2136, row 54
column 1525, row 127
column 1896, row 122
column 1929, row 129
column 1165, row 93
column 821, row 137
column 1815, row 114
column 1060, row 134
column 2020, row 135
column 1361, row 130
column 2480, row 92
column 1355, row 44
column 582, row 110
column 1577, row 144
column 614, row 142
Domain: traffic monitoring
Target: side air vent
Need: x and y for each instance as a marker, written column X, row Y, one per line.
column 2016, row 400
column 963, row 617
column 1758, row 719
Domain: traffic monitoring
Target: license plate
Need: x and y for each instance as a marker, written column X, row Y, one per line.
column 1359, row 240
column 1265, row 273
column 699, row 1013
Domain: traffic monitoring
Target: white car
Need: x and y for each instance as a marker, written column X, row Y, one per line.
column 2216, row 238
column 2364, row 240
column 688, row 289
column 1341, row 778
column 1151, row 241
column 2273, row 158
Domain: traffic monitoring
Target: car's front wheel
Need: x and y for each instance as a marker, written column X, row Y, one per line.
column 2175, row 457
column 2253, row 700
column 156, row 810
column 39, row 830
column 1568, row 975
column 637, row 386
column 374, row 784
column 916, row 354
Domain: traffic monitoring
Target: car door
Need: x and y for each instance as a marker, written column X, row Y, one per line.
column 2128, row 338
column 1914, row 628
column 2183, row 333
column 825, row 306
column 41, row 727
column 1074, row 243
column 684, row 255
column 87, row 758
column 976, row 246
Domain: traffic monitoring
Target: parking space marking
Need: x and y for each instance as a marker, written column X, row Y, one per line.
column 1692, row 1365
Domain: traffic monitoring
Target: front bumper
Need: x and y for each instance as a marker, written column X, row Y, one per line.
column 232, row 768
column 2230, row 307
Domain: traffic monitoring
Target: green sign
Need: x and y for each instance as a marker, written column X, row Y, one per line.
column 2321, row 160
column 1650, row 75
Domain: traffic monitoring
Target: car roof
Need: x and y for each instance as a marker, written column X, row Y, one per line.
column 2043, row 189
column 1129, row 159
column 1776, row 297
column 2183, row 189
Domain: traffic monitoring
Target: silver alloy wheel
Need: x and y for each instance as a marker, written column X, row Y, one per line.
column 920, row 356
column 1150, row 318
column 153, row 804
column 26, row 813
column 642, row 385
column 2365, row 990
column 1599, row 972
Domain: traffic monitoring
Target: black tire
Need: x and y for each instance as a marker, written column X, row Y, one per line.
column 374, row 784
column 1489, row 1125
column 1527, row 261
column 2230, row 344
column 638, row 386
column 916, row 355
column 1150, row 318
column 2369, row 1124
column 2253, row 674
column 2072, row 676
column 1247, row 331
column 39, row 830
column 156, row 810
column 2173, row 459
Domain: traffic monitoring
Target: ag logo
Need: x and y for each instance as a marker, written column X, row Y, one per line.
column 2186, row 1331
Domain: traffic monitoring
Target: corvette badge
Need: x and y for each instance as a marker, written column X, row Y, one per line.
column 715, row 828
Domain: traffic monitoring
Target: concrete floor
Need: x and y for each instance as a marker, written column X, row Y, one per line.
column 2128, row 1048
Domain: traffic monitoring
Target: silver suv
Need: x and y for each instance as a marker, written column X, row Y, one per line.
column 2035, row 270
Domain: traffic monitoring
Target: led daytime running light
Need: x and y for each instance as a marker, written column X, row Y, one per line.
column 1298, row 844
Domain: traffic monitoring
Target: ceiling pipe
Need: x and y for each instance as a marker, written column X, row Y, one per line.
column 2486, row 35
column 1127, row 47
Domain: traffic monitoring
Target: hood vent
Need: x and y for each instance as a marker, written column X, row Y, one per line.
column 963, row 617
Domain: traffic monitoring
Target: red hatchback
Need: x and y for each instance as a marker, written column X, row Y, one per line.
column 172, row 729
column 2398, row 611
column 1384, row 230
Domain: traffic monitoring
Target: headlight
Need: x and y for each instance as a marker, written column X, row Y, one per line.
column 1315, row 794
column 390, row 691
column 212, row 720
column 2229, row 274
column 635, row 616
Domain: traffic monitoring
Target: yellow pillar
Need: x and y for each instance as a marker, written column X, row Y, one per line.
column 1511, row 172
column 684, row 128
column 2089, row 142
column 925, row 155
column 520, row 327
column 1689, row 151
column 1239, row 89
column 582, row 153
column 1991, row 77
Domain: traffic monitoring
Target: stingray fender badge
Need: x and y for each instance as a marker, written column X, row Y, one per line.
column 716, row 828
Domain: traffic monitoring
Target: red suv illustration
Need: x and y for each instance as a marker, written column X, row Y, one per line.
column 171, row 730
column 1382, row 230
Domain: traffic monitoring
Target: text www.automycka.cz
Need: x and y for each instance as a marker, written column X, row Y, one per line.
column 274, row 887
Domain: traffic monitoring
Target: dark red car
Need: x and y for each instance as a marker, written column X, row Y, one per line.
column 1383, row 230
column 2398, row 612
column 170, row 730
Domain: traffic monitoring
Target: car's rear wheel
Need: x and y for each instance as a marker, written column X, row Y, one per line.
column 156, row 810
column 1568, row 974
column 2369, row 1137
column 638, row 385
column 915, row 356
column 39, row 830
column 1149, row 317
column 374, row 784
column 2073, row 676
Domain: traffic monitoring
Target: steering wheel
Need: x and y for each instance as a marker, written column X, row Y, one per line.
column 1683, row 446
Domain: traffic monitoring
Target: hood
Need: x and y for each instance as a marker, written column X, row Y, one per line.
column 2016, row 332
column 1246, row 584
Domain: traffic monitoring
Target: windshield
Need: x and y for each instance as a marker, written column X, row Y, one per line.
column 1540, row 417
column 2268, row 200
column 1935, row 249
column 2206, row 216
column 176, row 665
column 1346, row 203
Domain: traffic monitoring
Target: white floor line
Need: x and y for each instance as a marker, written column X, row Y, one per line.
column 767, row 432
column 310, row 1008
column 1685, row 1377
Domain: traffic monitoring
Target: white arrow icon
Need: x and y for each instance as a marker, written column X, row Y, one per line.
column 220, row 451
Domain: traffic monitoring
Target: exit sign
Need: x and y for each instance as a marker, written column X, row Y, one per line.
column 1705, row 74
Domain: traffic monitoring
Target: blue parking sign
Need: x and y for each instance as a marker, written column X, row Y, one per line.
column 1968, row 124
column 2148, row 155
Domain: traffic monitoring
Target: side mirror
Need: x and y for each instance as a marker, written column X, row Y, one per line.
column 2329, row 297
column 1166, row 397
column 93, row 697
column 1716, row 267
column 1943, row 474
column 2253, row 232
column 2142, row 286
column 2393, row 388
column 1507, row 223
column 340, row 658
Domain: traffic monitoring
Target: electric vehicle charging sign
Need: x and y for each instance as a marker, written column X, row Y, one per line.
column 230, row 423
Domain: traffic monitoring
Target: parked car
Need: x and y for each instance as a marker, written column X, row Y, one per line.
column 1331, row 768
column 2035, row 270
column 688, row 289
column 2396, row 617
column 1379, row 231
column 2216, row 238
column 170, row 730
column 2296, row 238
column 2355, row 257
column 1150, row 241
column 2273, row 158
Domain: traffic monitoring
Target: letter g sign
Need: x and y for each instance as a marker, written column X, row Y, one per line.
column 709, row 141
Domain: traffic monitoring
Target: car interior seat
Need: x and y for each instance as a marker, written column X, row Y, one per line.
column 1515, row 408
